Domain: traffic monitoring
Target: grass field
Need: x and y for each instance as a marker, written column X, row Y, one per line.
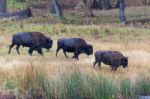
column 60, row 78
column 20, row 71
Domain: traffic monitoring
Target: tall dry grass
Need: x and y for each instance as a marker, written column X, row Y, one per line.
column 34, row 81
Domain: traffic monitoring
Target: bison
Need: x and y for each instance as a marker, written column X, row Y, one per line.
column 74, row 45
column 112, row 58
column 34, row 40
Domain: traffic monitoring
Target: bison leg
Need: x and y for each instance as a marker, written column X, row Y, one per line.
column 40, row 52
column 76, row 54
column 113, row 68
column 76, row 57
column 10, row 47
column 99, row 64
column 17, row 48
column 57, row 51
column 30, row 51
column 65, row 53
column 94, row 64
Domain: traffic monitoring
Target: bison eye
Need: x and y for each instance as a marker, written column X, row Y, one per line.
column 47, row 40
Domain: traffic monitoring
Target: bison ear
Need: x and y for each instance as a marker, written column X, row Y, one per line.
column 124, row 58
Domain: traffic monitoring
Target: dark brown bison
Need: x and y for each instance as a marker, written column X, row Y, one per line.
column 112, row 58
column 34, row 40
column 74, row 45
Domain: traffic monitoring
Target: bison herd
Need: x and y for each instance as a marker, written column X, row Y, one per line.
column 36, row 41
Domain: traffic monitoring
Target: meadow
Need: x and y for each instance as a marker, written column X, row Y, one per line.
column 54, row 77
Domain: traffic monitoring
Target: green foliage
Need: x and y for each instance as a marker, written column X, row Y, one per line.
column 143, row 86
column 47, row 86
column 10, row 83
column 13, row 5
column 75, row 87
column 133, row 90
column 127, row 89
column 102, row 88
column 111, row 34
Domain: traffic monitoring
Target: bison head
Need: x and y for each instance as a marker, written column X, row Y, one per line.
column 124, row 61
column 88, row 50
column 48, row 43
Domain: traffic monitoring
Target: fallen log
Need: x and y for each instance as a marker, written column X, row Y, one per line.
column 18, row 15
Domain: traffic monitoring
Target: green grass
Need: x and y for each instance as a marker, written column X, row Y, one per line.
column 102, row 33
column 102, row 87
column 13, row 5
column 133, row 14
column 48, row 86
column 78, row 85
column 128, row 89
column 143, row 86
column 47, row 77
column 10, row 83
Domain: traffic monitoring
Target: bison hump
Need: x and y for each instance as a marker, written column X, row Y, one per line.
column 22, row 38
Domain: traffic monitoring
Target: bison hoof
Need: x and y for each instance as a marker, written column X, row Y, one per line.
column 75, row 58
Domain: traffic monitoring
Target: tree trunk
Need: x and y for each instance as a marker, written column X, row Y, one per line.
column 90, row 13
column 88, row 8
column 57, row 8
column 2, row 6
column 18, row 15
column 108, row 4
column 95, row 4
column 102, row 4
column 52, row 9
column 122, row 10
column 99, row 4
column 20, row 0
column 117, row 4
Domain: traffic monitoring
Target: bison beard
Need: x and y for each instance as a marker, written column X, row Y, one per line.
column 34, row 40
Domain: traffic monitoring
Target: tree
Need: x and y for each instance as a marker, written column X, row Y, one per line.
column 108, row 4
column 95, row 4
column 26, row 13
column 57, row 8
column 122, row 10
column 2, row 6
column 117, row 4
column 102, row 4
column 52, row 9
column 18, row 15
column 88, row 8
column 20, row 0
